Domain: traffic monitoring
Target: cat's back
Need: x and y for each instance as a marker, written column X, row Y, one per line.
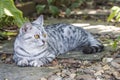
column 62, row 28
column 64, row 37
column 56, row 26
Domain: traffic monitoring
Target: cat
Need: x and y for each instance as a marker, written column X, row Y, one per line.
column 37, row 45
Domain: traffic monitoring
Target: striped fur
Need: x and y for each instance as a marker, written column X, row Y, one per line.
column 36, row 45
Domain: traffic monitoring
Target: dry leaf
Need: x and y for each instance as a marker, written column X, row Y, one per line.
column 106, row 67
column 3, row 56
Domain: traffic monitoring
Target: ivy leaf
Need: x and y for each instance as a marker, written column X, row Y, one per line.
column 54, row 10
column 40, row 8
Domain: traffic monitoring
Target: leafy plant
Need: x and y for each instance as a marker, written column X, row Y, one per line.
column 51, row 8
column 70, row 5
column 9, row 14
column 115, row 43
column 115, row 14
column 54, row 6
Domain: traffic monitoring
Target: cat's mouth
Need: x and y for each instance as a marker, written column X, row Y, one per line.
column 43, row 43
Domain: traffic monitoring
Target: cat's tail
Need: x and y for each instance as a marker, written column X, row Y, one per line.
column 94, row 46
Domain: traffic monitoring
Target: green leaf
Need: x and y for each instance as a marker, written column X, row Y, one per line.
column 115, row 8
column 1, row 9
column 49, row 1
column 7, row 12
column 118, row 17
column 114, row 12
column 74, row 5
column 111, row 16
column 68, row 11
column 53, row 9
column 115, row 44
column 8, row 33
column 40, row 8
column 118, row 38
column 8, row 8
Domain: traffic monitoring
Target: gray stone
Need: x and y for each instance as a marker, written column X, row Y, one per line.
column 55, row 77
column 12, row 72
column 84, row 77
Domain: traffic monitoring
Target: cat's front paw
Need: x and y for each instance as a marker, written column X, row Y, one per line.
column 22, row 63
column 36, row 63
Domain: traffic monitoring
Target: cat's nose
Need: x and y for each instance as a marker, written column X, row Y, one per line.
column 43, row 41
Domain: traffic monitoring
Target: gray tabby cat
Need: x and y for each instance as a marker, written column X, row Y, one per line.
column 37, row 45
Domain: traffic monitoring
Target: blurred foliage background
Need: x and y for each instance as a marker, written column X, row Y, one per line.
column 13, row 13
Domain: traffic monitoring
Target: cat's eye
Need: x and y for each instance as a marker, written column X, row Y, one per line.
column 44, row 35
column 36, row 36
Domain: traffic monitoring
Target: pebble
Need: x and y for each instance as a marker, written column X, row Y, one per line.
column 65, row 73
column 43, row 79
column 116, row 63
column 99, row 73
column 89, row 71
column 107, row 60
column 58, row 74
column 116, row 75
column 107, row 77
column 72, row 76
column 68, row 79
column 84, row 77
column 55, row 77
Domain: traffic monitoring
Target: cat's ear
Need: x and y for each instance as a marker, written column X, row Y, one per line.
column 26, row 27
column 39, row 20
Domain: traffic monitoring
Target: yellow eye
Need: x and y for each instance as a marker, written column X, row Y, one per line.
column 36, row 36
column 44, row 35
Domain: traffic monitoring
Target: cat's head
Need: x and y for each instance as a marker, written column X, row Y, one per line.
column 34, row 32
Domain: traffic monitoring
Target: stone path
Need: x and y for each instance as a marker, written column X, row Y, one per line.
column 12, row 72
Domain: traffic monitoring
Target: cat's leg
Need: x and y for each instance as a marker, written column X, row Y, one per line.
column 36, row 63
column 22, row 62
column 93, row 47
column 41, row 61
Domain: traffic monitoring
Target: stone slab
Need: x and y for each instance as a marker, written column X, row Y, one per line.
column 81, row 56
column 12, row 72
column 7, row 46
